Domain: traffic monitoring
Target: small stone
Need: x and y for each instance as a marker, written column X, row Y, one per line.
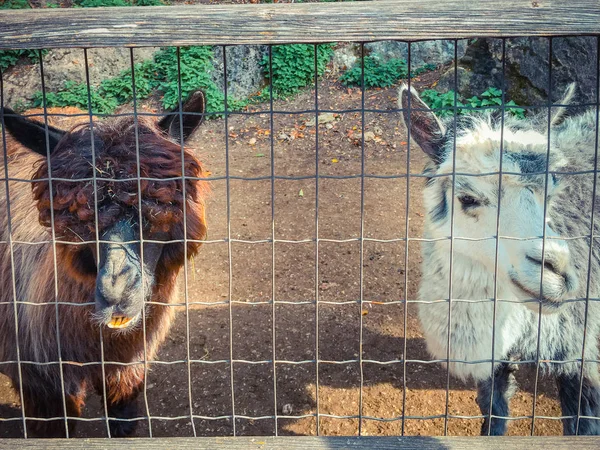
column 369, row 136
column 252, row 141
column 324, row 118
column 287, row 409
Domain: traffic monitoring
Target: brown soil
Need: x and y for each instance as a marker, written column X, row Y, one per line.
column 258, row 330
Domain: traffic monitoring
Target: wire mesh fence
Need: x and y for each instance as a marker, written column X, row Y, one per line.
column 299, row 313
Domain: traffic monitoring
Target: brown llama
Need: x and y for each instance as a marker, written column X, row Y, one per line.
column 104, row 291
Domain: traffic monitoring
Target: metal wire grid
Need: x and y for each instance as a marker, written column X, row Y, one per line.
column 361, row 301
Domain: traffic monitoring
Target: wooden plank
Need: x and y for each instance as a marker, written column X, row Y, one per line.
column 285, row 23
column 312, row 443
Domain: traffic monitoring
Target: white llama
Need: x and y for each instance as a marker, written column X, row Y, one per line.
column 520, row 262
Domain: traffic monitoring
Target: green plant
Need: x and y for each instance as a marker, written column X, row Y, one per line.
column 294, row 67
column 76, row 94
column 105, row 98
column 20, row 106
column 377, row 73
column 514, row 109
column 424, row 68
column 121, row 87
column 160, row 74
column 101, row 3
column 195, row 63
column 493, row 97
column 11, row 57
column 380, row 73
column 149, row 3
column 14, row 4
column 196, row 67
column 490, row 97
column 436, row 100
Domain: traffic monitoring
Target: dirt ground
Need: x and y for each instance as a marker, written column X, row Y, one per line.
column 288, row 272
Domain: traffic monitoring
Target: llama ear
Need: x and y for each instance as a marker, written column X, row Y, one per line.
column 196, row 103
column 561, row 112
column 425, row 127
column 30, row 133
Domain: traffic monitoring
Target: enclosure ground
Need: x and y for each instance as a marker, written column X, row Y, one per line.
column 340, row 316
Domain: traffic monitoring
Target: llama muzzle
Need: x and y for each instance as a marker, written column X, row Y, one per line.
column 123, row 282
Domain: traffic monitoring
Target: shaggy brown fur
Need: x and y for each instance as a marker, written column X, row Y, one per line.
column 38, row 284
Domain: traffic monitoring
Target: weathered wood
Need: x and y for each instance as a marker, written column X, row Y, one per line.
column 285, row 23
column 313, row 443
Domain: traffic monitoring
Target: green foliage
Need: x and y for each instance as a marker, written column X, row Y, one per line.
column 10, row 57
column 14, row 4
column 105, row 3
column 100, row 3
column 149, row 3
column 294, row 67
column 321, row 1
column 424, row 68
column 489, row 98
column 436, row 100
column 160, row 74
column 120, row 88
column 106, row 97
column 196, row 66
column 519, row 113
column 493, row 97
column 76, row 94
column 379, row 73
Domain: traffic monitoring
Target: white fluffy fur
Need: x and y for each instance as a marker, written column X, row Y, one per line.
column 572, row 145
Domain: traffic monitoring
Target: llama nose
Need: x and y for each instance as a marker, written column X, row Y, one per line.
column 557, row 258
column 117, row 280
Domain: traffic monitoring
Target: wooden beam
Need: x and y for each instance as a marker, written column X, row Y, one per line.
column 312, row 443
column 286, row 23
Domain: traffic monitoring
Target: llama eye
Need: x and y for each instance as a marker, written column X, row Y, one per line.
column 468, row 200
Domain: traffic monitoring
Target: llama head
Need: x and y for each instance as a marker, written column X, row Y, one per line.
column 476, row 195
column 103, row 220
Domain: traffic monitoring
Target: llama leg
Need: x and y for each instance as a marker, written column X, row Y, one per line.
column 504, row 387
column 124, row 408
column 44, row 404
column 568, row 390
column 122, row 389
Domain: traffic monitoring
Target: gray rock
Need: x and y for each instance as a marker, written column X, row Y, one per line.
column 344, row 57
column 22, row 81
column 244, row 73
column 426, row 52
column 527, row 69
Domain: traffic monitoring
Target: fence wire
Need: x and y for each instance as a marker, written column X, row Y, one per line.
column 362, row 302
